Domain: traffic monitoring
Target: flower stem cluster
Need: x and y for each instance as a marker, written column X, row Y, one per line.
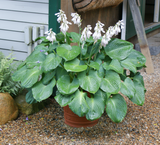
column 64, row 23
column 51, row 35
column 112, row 31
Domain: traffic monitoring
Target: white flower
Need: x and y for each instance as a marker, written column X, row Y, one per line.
column 63, row 18
column 51, row 35
column 76, row 19
column 86, row 33
column 105, row 39
column 64, row 27
column 98, row 29
column 117, row 29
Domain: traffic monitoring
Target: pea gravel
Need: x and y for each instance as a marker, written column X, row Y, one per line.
column 141, row 125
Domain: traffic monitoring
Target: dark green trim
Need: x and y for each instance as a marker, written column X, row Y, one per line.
column 152, row 27
column 54, row 6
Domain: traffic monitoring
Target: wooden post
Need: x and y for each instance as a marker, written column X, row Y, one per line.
column 141, row 34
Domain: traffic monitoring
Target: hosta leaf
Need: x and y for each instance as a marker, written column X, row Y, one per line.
column 41, row 91
column 136, row 58
column 116, row 66
column 111, row 83
column 19, row 74
column 60, row 37
column 129, row 65
column 60, row 72
column 48, row 76
column 139, row 78
column 35, row 59
column 51, row 62
column 53, row 46
column 79, row 105
column 116, row 108
column 139, row 96
column 94, row 65
column 68, row 52
column 96, row 105
column 106, row 65
column 75, row 37
column 40, row 48
column 29, row 98
column 31, row 77
column 74, row 66
column 90, row 82
column 65, row 86
column 118, row 49
column 63, row 100
column 101, row 71
column 128, row 88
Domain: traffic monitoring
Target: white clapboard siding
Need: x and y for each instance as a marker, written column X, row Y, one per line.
column 12, row 45
column 24, row 7
column 16, row 55
column 36, row 1
column 15, row 15
column 12, row 35
column 23, row 17
column 18, row 26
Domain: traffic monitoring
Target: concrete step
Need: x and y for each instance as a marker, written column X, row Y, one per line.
column 153, row 43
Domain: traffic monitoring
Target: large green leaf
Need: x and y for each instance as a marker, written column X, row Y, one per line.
column 111, row 83
column 101, row 71
column 96, row 105
column 41, row 91
column 139, row 78
column 89, row 82
column 19, row 74
column 29, row 98
column 60, row 37
column 136, row 58
column 66, row 86
column 63, row 100
column 75, row 37
column 116, row 66
column 35, row 59
column 94, row 65
column 129, row 65
column 79, row 105
column 139, row 96
column 116, row 108
column 53, row 46
column 60, row 72
column 118, row 49
column 74, row 66
column 128, row 88
column 48, row 76
column 51, row 62
column 31, row 77
column 40, row 48
column 68, row 52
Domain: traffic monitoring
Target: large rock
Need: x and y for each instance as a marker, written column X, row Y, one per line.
column 8, row 108
column 26, row 108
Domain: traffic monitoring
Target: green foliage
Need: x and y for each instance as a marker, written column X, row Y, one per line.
column 99, row 70
column 7, row 68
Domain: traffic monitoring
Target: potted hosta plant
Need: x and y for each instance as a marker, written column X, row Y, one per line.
column 90, row 72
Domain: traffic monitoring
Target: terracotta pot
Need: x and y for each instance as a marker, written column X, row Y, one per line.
column 74, row 120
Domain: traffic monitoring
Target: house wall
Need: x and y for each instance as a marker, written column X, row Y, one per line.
column 15, row 16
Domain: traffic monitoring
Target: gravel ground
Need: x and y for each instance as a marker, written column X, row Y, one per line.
column 140, row 126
